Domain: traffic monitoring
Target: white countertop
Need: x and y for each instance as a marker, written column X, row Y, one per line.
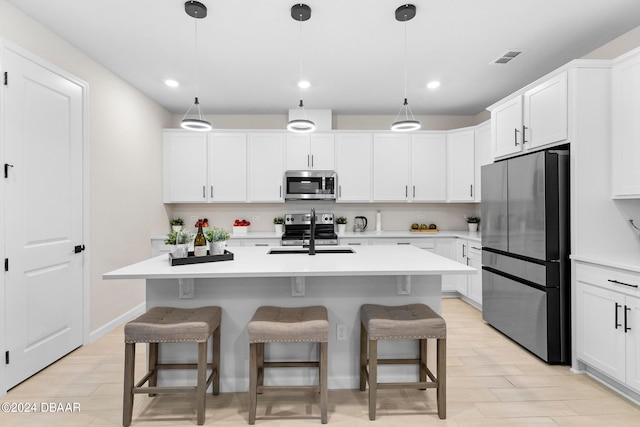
column 373, row 260
column 620, row 261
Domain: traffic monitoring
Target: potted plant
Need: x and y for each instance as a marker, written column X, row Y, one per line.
column 278, row 223
column 472, row 222
column 342, row 224
column 218, row 239
column 179, row 241
column 176, row 224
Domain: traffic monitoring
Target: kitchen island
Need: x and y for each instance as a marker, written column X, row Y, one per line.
column 377, row 274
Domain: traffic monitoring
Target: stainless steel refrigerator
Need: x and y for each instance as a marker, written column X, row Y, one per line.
column 525, row 252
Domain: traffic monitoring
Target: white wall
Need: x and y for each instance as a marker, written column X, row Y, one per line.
column 125, row 145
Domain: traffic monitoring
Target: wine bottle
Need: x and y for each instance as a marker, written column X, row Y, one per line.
column 200, row 243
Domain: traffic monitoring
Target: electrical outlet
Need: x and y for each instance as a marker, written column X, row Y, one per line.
column 194, row 219
column 422, row 216
column 341, row 332
column 255, row 218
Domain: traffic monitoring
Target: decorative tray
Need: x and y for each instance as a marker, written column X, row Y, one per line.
column 191, row 259
column 432, row 230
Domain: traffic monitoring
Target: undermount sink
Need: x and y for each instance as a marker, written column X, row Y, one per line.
column 305, row 251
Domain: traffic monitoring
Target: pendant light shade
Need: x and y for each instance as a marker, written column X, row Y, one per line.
column 405, row 122
column 300, row 123
column 196, row 10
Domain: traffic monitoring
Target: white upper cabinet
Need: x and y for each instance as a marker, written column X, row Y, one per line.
column 506, row 125
column 316, row 151
column 185, row 167
column 266, row 167
column 546, row 113
column 391, row 172
column 429, row 167
column 461, row 166
column 227, row 167
column 353, row 166
column 535, row 119
column 626, row 128
column 482, row 154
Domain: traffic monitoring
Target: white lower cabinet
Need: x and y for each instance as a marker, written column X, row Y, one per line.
column 446, row 247
column 608, row 322
column 462, row 248
column 474, row 281
column 353, row 241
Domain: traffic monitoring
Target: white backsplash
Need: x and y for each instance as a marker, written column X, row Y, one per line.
column 395, row 217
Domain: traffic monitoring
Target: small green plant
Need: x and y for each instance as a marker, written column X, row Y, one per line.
column 177, row 221
column 473, row 219
column 216, row 234
column 341, row 220
column 278, row 220
column 171, row 238
column 178, row 237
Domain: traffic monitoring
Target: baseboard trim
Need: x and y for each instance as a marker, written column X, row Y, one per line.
column 125, row 317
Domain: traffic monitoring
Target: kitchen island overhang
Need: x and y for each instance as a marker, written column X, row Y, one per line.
column 377, row 274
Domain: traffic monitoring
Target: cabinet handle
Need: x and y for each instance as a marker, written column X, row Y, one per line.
column 622, row 283
column 626, row 309
column 524, row 138
column 260, row 244
column 515, row 136
column 406, row 191
column 280, row 190
column 403, row 243
column 204, row 191
column 414, row 191
column 616, row 319
column 354, row 244
column 340, row 191
column 212, row 191
column 476, row 248
column 464, row 247
column 471, row 190
column 312, row 160
column 307, row 160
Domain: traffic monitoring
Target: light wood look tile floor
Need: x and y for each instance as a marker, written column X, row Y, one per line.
column 491, row 382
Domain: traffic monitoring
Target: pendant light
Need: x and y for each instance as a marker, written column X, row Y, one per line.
column 196, row 10
column 407, row 123
column 300, row 12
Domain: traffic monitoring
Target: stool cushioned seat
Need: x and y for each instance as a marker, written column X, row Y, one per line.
column 413, row 321
column 169, row 324
column 163, row 325
column 289, row 324
column 272, row 324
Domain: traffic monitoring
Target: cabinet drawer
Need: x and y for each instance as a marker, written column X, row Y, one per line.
column 609, row 278
column 474, row 251
column 422, row 243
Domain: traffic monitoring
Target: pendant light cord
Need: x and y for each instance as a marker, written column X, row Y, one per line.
column 405, row 58
column 300, row 44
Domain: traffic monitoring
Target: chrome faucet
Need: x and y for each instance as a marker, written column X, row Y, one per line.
column 312, row 237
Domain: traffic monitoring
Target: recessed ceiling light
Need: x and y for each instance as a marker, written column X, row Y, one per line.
column 433, row 85
column 303, row 84
column 171, row 83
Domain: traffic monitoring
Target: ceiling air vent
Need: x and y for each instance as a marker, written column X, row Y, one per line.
column 507, row 56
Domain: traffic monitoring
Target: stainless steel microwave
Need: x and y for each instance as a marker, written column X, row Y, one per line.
column 310, row 185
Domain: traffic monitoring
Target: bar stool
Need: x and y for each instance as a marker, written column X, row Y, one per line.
column 283, row 324
column 172, row 325
column 406, row 322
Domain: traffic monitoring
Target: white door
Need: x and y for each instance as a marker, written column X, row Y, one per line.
column 185, row 167
column 391, row 168
column 506, row 126
column 546, row 113
column 482, row 154
column 266, row 167
column 323, row 152
column 429, row 167
column 298, row 152
column 462, row 253
column 460, row 166
column 43, row 211
column 632, row 307
column 353, row 164
column 227, row 167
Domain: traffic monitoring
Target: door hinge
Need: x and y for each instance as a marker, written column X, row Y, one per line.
column 6, row 357
column 6, row 78
column 6, row 264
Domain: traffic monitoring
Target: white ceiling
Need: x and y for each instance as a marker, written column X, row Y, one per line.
column 249, row 57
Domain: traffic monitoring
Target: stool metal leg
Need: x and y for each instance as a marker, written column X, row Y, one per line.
column 363, row 357
column 442, row 378
column 373, row 378
column 323, row 379
column 253, row 381
column 215, row 361
column 129, row 378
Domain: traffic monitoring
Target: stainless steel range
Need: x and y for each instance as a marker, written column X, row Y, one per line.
column 297, row 229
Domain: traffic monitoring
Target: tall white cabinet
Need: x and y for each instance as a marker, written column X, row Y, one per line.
column 461, row 166
column 354, row 155
column 185, row 167
column 266, row 167
column 227, row 160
